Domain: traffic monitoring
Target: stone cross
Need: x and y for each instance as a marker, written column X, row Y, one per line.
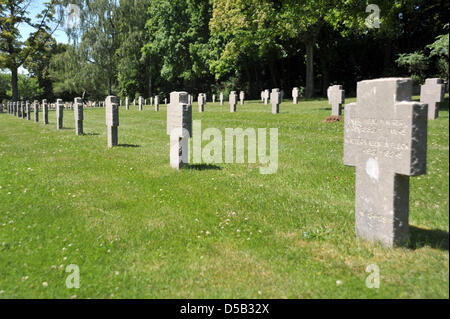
column 295, row 95
column 275, row 100
column 179, row 127
column 242, row 97
column 266, row 96
column 59, row 114
column 385, row 138
column 79, row 116
column 140, row 103
column 112, row 120
column 15, row 109
column 233, row 100
column 432, row 93
column 36, row 111
column 22, row 110
column 214, row 98
column 45, row 111
column 201, row 102
column 336, row 97
column 221, row 98
column 151, row 100
column 25, row 105
column 165, row 101
column 127, row 103
column 262, row 96
column 156, row 103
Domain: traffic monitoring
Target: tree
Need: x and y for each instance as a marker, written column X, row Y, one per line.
column 243, row 31
column 14, row 53
column 178, row 36
column 38, row 62
column 134, row 71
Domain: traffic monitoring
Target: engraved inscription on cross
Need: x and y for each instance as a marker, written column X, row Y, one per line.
column 385, row 137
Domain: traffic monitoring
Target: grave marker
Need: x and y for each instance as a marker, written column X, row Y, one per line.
column 295, row 92
column 79, row 116
column 179, row 127
column 59, row 114
column 112, row 120
column 385, row 138
column 336, row 97
column 28, row 108
column 36, row 111
column 45, row 111
column 432, row 93
column 221, row 98
column 275, row 100
column 266, row 96
column 201, row 102
column 140, row 103
column 233, row 100
column 242, row 97
column 127, row 103
column 156, row 103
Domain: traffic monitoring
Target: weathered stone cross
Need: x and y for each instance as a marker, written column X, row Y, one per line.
column 432, row 93
column 79, row 116
column 59, row 114
column 45, row 111
column 295, row 92
column 112, row 120
column 275, row 100
column 336, row 97
column 179, row 127
column 36, row 111
column 232, row 100
column 385, row 137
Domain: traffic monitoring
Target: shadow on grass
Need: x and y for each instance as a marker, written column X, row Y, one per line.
column 128, row 145
column 435, row 238
column 444, row 104
column 203, row 167
column 91, row 134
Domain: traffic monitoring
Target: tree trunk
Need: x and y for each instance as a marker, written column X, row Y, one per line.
column 14, row 84
column 309, row 90
column 272, row 73
column 325, row 76
column 150, row 81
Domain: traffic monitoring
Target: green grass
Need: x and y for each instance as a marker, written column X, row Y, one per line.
column 139, row 229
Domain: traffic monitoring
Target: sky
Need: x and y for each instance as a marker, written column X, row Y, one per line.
column 35, row 7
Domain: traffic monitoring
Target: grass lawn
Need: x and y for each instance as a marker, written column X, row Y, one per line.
column 139, row 229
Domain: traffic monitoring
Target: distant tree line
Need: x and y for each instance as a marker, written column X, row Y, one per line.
column 141, row 47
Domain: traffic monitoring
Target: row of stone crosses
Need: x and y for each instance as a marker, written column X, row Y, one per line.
column 385, row 138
